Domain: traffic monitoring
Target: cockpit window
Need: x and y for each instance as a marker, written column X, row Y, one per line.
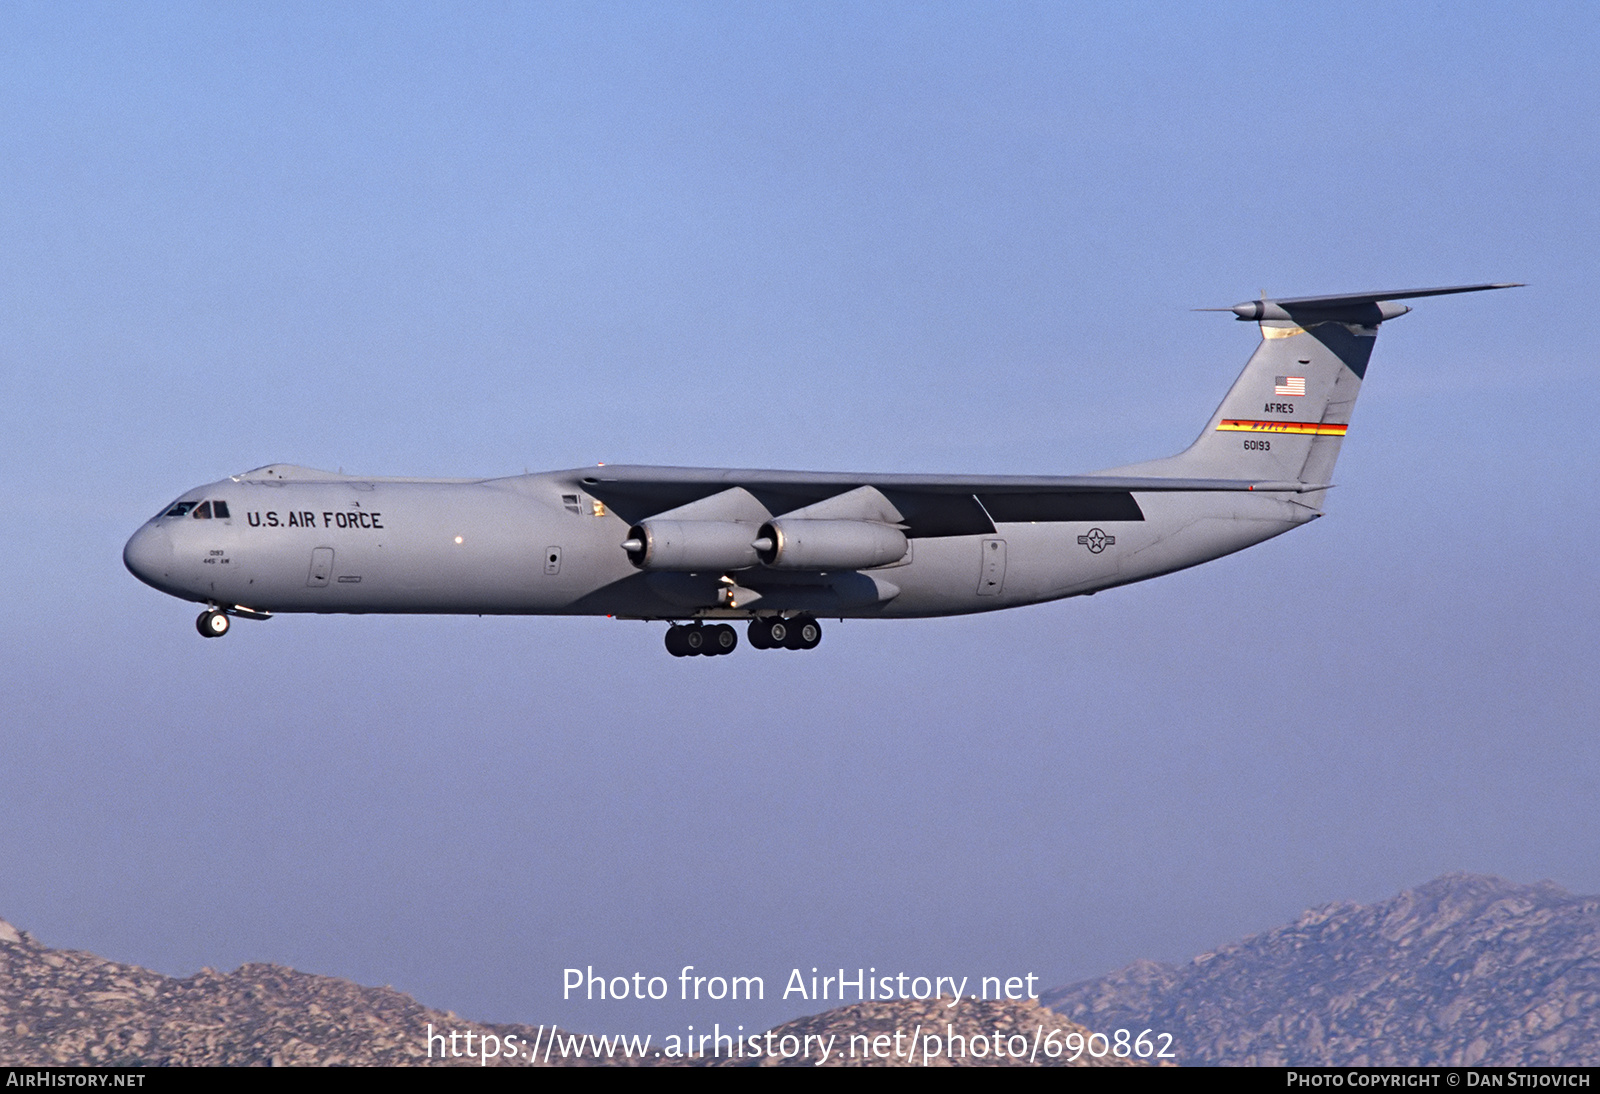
column 199, row 510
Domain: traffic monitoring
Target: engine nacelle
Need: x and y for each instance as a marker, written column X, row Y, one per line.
column 829, row 544
column 691, row 546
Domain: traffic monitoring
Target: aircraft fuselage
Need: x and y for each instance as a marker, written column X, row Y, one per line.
column 543, row 545
column 782, row 548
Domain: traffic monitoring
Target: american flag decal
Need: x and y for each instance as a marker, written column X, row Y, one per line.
column 1289, row 385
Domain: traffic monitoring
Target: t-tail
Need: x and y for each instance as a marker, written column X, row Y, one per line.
column 1286, row 415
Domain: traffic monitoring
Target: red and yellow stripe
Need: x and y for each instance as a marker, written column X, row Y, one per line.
column 1315, row 429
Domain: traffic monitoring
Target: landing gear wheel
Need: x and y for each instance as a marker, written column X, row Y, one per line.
column 801, row 633
column 675, row 643
column 695, row 641
column 778, row 631
column 212, row 623
column 721, row 639
column 760, row 634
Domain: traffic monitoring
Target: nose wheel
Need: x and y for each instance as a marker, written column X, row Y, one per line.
column 212, row 623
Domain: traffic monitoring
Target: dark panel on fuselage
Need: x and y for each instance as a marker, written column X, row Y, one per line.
column 930, row 515
column 927, row 514
column 1061, row 506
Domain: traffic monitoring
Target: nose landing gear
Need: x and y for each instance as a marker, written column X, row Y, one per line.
column 212, row 623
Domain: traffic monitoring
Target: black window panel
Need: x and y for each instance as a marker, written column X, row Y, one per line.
column 1062, row 506
column 203, row 512
column 181, row 509
column 219, row 509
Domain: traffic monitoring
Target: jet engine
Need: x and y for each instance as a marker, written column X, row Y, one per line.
column 691, row 546
column 785, row 544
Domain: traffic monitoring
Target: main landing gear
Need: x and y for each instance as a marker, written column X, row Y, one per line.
column 701, row 641
column 802, row 632
column 212, row 623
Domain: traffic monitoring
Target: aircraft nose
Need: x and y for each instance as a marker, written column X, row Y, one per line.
column 148, row 556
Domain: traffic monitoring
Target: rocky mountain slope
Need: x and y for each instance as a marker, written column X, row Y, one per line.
column 975, row 1033
column 71, row 1008
column 1462, row 970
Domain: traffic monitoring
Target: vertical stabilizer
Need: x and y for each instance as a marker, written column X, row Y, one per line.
column 1286, row 415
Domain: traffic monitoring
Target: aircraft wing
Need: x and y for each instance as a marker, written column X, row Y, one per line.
column 925, row 505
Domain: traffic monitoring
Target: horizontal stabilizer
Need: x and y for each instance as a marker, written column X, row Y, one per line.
column 1361, row 307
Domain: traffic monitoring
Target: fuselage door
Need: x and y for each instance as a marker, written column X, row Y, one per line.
column 321, row 567
column 992, row 575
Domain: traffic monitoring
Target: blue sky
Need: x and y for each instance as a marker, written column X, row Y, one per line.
column 443, row 240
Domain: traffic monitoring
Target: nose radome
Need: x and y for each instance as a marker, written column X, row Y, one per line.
column 148, row 556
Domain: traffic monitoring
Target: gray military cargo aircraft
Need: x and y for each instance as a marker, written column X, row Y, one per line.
column 700, row 547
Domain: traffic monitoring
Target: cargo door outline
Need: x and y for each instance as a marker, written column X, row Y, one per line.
column 992, row 567
column 321, row 567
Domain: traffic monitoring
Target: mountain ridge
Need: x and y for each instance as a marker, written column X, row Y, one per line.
column 71, row 1008
column 1465, row 969
column 1462, row 970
